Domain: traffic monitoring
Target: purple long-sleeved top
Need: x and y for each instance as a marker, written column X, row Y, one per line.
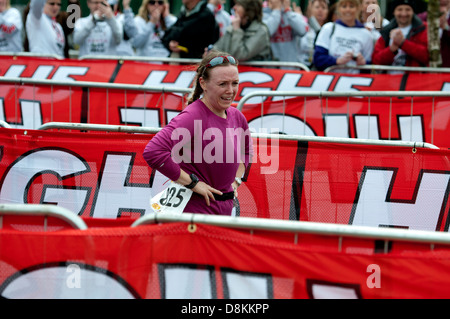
column 200, row 142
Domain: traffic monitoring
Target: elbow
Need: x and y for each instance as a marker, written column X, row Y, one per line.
column 149, row 156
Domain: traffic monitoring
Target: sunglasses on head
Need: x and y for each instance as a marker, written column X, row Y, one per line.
column 54, row 4
column 152, row 2
column 221, row 59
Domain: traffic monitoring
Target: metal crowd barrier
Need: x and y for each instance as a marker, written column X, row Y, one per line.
column 244, row 223
column 99, row 127
column 32, row 55
column 154, row 130
column 243, row 100
column 271, row 64
column 388, row 68
column 299, row 227
column 163, row 89
column 100, row 85
column 348, row 94
column 44, row 210
column 326, row 94
column 4, row 124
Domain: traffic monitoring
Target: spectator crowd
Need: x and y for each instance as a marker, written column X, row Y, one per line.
column 347, row 33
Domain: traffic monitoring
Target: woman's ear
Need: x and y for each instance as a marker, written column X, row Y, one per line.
column 201, row 81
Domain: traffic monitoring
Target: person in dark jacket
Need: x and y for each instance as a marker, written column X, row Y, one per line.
column 195, row 29
column 404, row 41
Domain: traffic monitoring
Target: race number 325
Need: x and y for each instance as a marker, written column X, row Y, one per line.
column 173, row 199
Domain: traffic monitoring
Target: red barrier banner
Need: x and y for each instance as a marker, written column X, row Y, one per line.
column 103, row 175
column 179, row 261
column 424, row 119
column 145, row 73
column 410, row 119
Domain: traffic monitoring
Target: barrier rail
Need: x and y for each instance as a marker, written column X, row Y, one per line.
column 4, row 124
column 322, row 94
column 100, row 85
column 99, row 127
column 42, row 210
column 355, row 94
column 246, row 223
column 379, row 68
column 85, row 86
column 250, row 223
column 107, row 116
column 154, row 130
column 272, row 64
column 32, row 55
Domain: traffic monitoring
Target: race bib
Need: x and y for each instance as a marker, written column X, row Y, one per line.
column 173, row 199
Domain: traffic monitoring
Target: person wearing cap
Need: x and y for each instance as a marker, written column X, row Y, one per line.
column 45, row 35
column 404, row 41
column 206, row 148
column 10, row 28
column 247, row 37
column 99, row 33
column 344, row 42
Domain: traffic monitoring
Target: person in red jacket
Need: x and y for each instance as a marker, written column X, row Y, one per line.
column 404, row 41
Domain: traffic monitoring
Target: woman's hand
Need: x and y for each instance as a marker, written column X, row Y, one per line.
column 206, row 191
column 155, row 15
column 126, row 4
column 360, row 59
column 236, row 22
column 345, row 58
column 173, row 46
column 105, row 10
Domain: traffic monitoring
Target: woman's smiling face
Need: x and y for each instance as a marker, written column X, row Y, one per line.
column 221, row 88
column 348, row 12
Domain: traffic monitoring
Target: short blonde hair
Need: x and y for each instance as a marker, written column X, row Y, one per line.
column 355, row 2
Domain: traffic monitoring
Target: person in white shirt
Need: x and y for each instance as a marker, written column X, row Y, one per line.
column 344, row 42
column 223, row 18
column 285, row 26
column 45, row 35
column 152, row 21
column 318, row 14
column 99, row 33
column 10, row 28
column 126, row 19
